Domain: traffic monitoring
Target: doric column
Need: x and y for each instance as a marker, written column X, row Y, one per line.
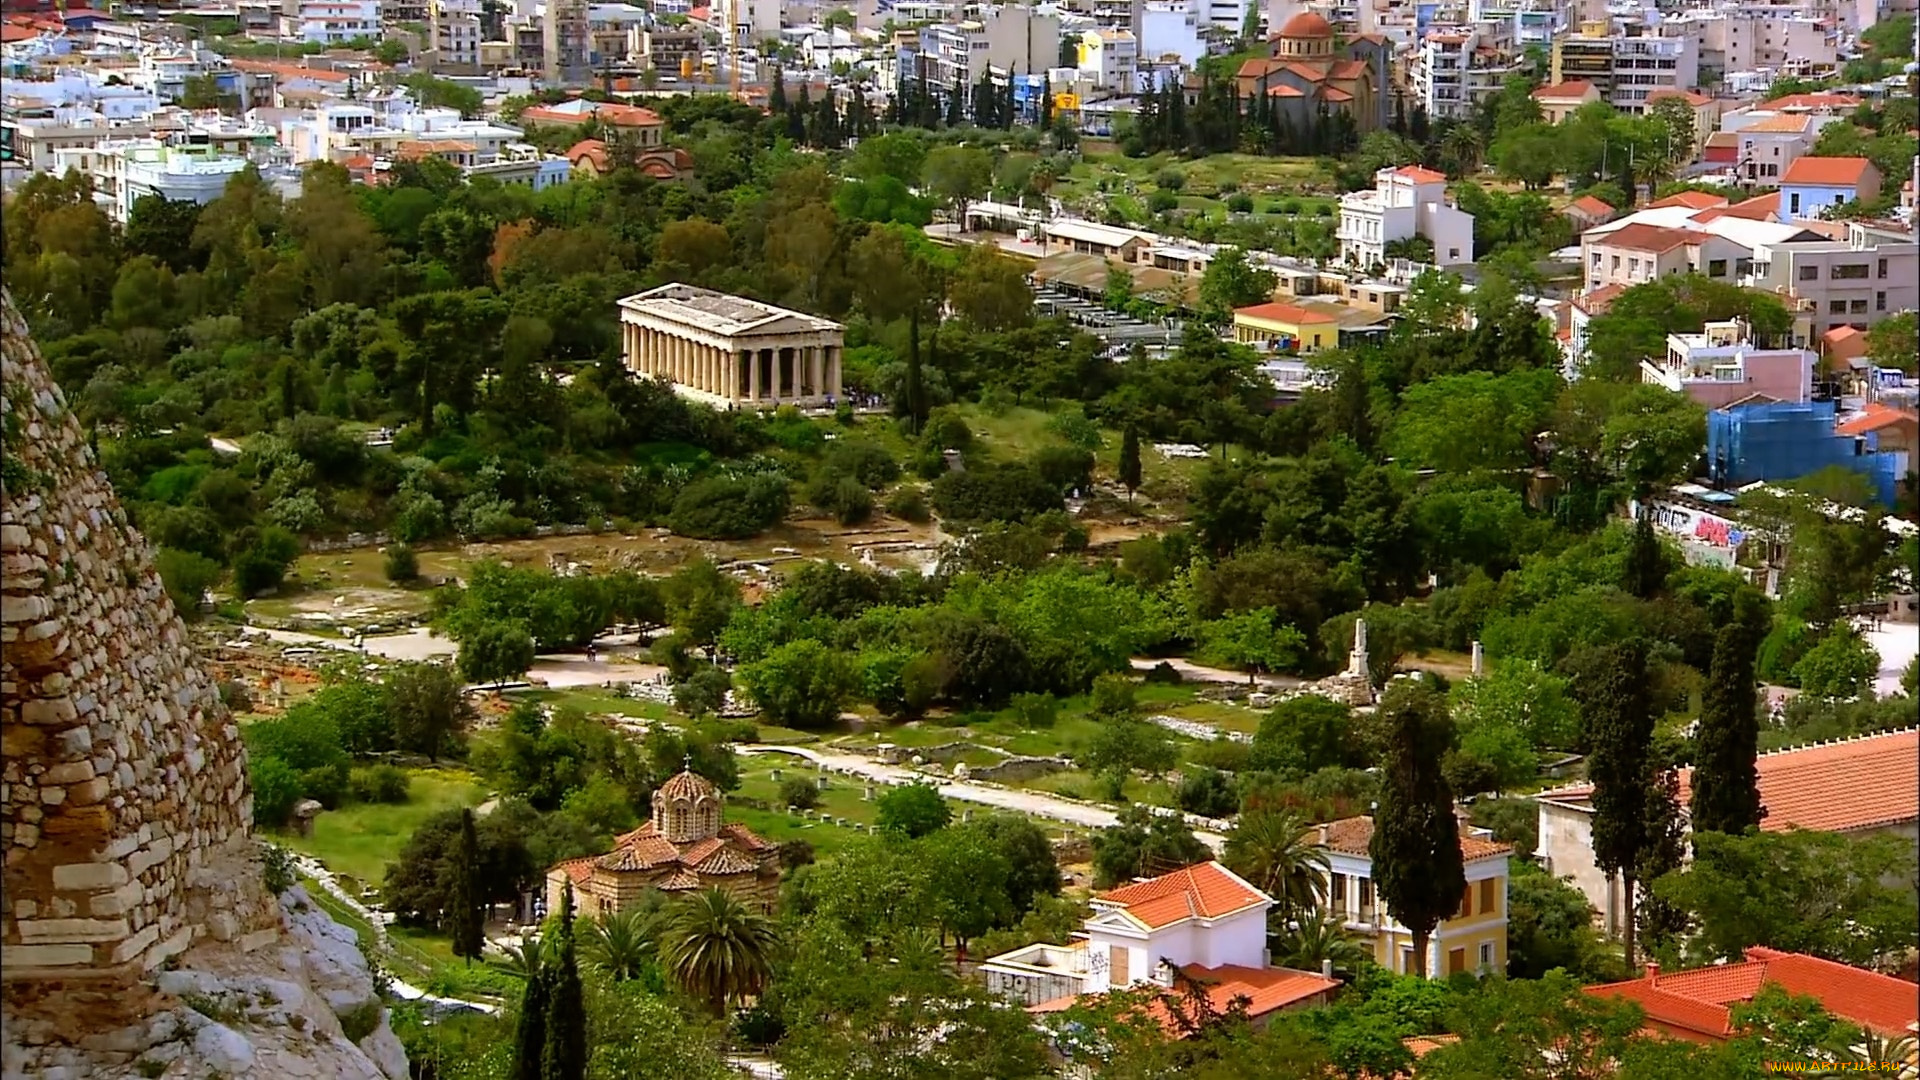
column 816, row 370
column 833, row 370
column 753, row 374
column 716, row 369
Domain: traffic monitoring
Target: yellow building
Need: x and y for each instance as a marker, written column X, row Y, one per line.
column 1473, row 940
column 1303, row 328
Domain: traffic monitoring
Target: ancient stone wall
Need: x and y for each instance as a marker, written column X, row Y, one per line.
column 124, row 806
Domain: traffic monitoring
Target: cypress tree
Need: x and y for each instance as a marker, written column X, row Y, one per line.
column 1416, row 839
column 565, row 1056
column 1726, row 785
column 1646, row 569
column 777, row 93
column 1658, row 921
column 469, row 925
column 1612, row 690
column 530, row 1031
column 1130, row 461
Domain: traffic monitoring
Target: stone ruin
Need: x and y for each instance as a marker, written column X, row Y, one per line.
column 130, row 870
column 1354, row 686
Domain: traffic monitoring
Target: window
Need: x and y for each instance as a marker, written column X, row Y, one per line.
column 1118, row 965
column 1406, row 960
column 1366, row 898
column 1456, row 961
column 1857, row 306
column 1879, row 301
column 1487, row 900
column 1486, row 956
column 1466, row 903
column 1837, row 307
column 1337, row 892
column 1883, row 268
column 1809, row 273
column 1717, row 268
column 1795, row 200
column 1849, row 272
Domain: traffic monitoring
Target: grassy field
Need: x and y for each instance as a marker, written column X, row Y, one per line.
column 358, row 841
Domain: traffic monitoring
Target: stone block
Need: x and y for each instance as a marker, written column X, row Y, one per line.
column 136, row 944
column 79, row 820
column 49, row 931
column 32, row 956
column 88, row 792
column 89, row 876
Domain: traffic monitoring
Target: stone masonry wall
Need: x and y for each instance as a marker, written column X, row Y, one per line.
column 124, row 805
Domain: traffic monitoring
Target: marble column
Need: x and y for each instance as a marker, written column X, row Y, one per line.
column 817, row 370
column 716, row 370
column 753, row 374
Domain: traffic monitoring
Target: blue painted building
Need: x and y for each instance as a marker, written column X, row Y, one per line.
column 1787, row 440
column 1813, row 184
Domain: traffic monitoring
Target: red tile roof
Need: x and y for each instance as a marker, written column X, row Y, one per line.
column 1283, row 90
column 1784, row 124
column 1693, row 99
column 1256, row 67
column 1698, row 1001
column 1591, row 206
column 1307, row 24
column 289, row 71
column 1347, row 69
column 1641, row 236
column 10, row 33
column 1292, row 314
column 580, row 869
column 1422, row 1045
column 1571, row 90
column 1834, row 171
column 1354, row 836
column 1266, row 990
column 1307, row 71
column 1877, row 417
column 1419, row 175
column 1335, row 94
column 1698, row 200
column 1798, row 786
column 1599, row 300
column 1205, row 890
column 1811, row 101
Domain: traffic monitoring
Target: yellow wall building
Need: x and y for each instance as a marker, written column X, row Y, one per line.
column 1474, row 940
column 1287, row 327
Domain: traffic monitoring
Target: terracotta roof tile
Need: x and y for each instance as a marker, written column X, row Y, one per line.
column 1422, row 1045
column 1811, row 101
column 1266, row 990
column 1698, row 200
column 1256, row 67
column 1205, row 890
column 1283, row 90
column 680, row 881
column 580, row 869
column 1599, row 300
column 723, row 861
column 1335, row 94
column 1876, row 417
column 1784, row 124
column 1699, row 1000
column 1571, row 90
column 1419, row 175
column 747, row 838
column 1292, row 314
column 1835, row 171
column 1347, row 69
column 1591, row 206
column 1797, row 786
column 1307, row 71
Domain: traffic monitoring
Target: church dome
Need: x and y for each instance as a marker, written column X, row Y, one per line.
column 1306, row 25
column 687, row 808
column 688, row 785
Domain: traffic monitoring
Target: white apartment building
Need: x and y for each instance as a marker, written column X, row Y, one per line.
column 1723, row 364
column 1405, row 202
column 1173, row 29
column 124, row 171
column 346, row 129
column 456, row 32
column 1781, row 39
column 1853, row 282
column 1626, row 68
column 1455, row 69
column 336, row 22
column 1111, row 58
column 1013, row 40
column 1519, row 22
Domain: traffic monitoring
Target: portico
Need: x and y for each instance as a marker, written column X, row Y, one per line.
column 729, row 350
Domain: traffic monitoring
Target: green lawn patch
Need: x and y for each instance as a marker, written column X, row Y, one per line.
column 359, row 840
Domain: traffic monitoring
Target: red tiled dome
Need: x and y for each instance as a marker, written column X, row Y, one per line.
column 1306, row 25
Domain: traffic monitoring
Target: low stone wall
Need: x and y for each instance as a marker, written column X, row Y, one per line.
column 1016, row 769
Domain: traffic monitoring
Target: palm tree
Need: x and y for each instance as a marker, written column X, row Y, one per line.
column 620, row 944
column 1271, row 849
column 1315, row 937
column 716, row 948
column 524, row 959
column 1873, row 1048
column 1462, row 146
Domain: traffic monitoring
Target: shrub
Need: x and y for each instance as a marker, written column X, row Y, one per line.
column 726, row 508
column 235, row 696
column 1240, row 203
column 994, row 493
column 1207, row 792
column 380, row 784
column 1162, row 201
column 866, row 461
column 276, row 787
column 403, row 566
column 1165, row 674
column 186, row 577
column 276, row 868
column 908, row 504
column 799, row 791
column 1036, row 710
column 262, row 564
column 945, row 430
column 1170, row 179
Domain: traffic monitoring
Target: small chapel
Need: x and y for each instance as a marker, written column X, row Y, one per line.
column 1307, row 73
column 685, row 847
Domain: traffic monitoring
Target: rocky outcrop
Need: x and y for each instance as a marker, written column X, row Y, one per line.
column 305, row 1008
column 125, row 811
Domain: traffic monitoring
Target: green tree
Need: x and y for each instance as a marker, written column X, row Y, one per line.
column 1613, row 694
column 620, row 944
column 1416, row 839
column 564, row 1057
column 530, row 1026
column 468, row 916
column 1549, row 925
column 402, row 565
column 800, row 684
column 704, row 692
column 1725, row 783
column 1231, row 282
column 495, row 652
column 1032, row 870
column 958, row 175
column 912, row 811
column 1893, row 342
column 1841, row 666
column 717, row 949
column 430, row 714
column 1130, row 461
column 1846, row 899
column 1143, row 842
column 1304, row 734
column 1250, row 640
column 1274, row 849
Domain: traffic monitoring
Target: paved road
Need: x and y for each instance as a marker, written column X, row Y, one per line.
column 1896, row 643
column 558, row 670
column 1033, row 803
column 1193, row 672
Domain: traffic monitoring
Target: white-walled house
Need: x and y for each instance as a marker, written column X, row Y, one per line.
column 1204, row 920
column 1405, row 202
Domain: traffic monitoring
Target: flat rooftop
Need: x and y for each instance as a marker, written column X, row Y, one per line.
column 717, row 312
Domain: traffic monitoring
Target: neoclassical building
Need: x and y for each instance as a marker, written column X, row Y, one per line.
column 1306, row 72
column 684, row 848
column 731, row 351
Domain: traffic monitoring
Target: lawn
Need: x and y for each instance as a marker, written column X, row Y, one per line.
column 359, row 840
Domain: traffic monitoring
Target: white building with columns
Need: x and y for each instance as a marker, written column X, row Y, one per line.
column 729, row 350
